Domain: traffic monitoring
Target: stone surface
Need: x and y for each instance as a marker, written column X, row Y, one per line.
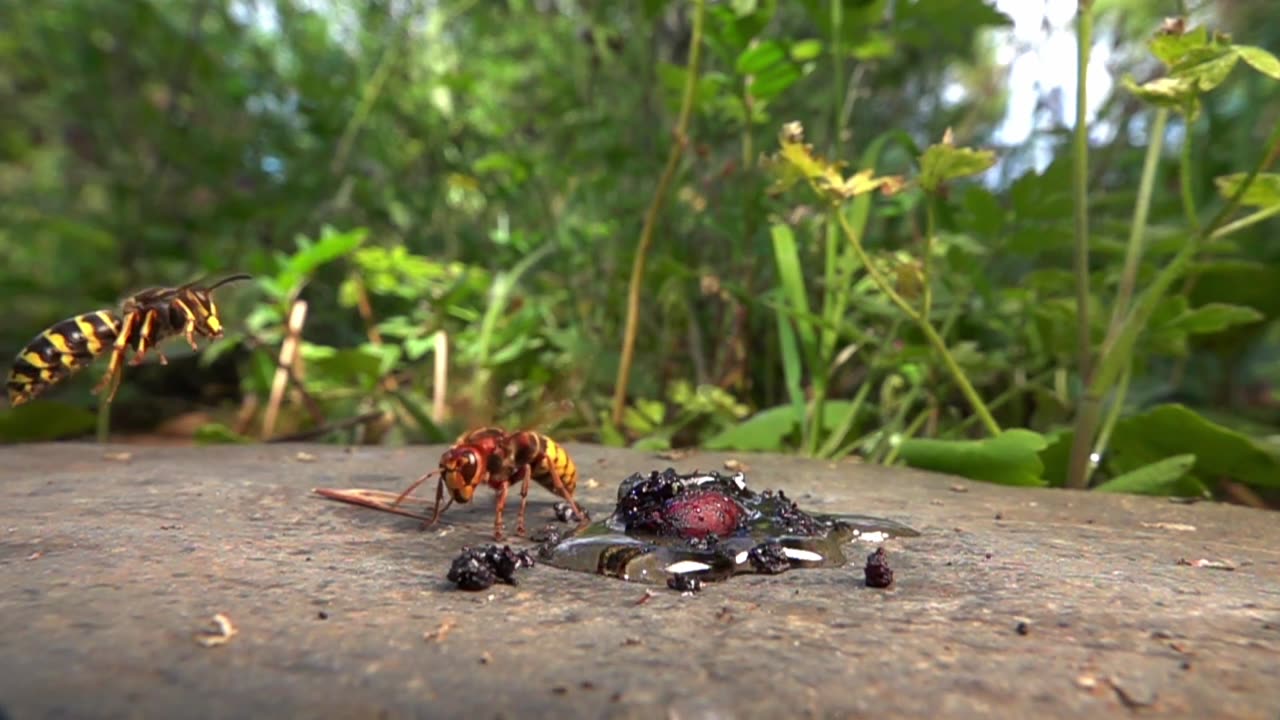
column 1013, row 603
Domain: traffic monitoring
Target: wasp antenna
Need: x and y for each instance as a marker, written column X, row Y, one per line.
column 231, row 279
column 416, row 483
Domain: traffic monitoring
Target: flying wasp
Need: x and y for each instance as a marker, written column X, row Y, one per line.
column 485, row 456
column 143, row 322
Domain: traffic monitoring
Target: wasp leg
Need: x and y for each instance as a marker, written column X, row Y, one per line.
column 558, row 485
column 500, row 504
column 114, row 368
column 189, row 329
column 435, row 514
column 144, row 338
column 524, row 497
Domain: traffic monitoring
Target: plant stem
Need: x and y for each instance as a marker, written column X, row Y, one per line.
column 1086, row 417
column 837, row 74
column 935, row 340
column 1137, row 229
column 1188, row 198
column 1244, row 222
column 1117, row 407
column 651, row 217
column 1082, row 445
column 930, row 226
column 1117, row 350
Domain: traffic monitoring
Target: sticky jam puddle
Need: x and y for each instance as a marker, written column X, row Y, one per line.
column 712, row 527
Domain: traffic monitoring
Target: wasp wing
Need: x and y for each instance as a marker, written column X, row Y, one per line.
column 374, row 499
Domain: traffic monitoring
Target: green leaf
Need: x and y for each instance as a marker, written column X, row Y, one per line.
column 1215, row 317
column 1206, row 67
column 774, row 80
column 760, row 57
column 1221, row 452
column 1260, row 60
column 311, row 256
column 1010, row 458
column 767, row 430
column 1157, row 478
column 644, row 417
column 1264, row 191
column 1170, row 92
column 219, row 434
column 805, row 50
column 44, row 420
column 1171, row 48
column 944, row 162
column 653, row 443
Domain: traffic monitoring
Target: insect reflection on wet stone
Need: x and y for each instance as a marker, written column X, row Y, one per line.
column 673, row 529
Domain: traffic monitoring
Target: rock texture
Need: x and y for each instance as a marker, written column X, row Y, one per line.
column 1013, row 602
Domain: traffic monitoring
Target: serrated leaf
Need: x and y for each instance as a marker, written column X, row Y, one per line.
column 1260, row 60
column 1010, row 458
column 1215, row 317
column 1158, row 478
column 1264, row 191
column 943, row 162
column 796, row 161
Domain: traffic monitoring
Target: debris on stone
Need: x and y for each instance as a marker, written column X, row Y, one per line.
column 478, row 569
column 877, row 570
column 1209, row 564
column 735, row 465
column 769, row 558
column 1182, row 527
column 304, row 457
column 439, row 634
column 118, row 456
column 220, row 634
column 1132, row 694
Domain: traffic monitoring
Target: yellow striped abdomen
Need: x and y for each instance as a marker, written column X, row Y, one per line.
column 555, row 456
column 58, row 352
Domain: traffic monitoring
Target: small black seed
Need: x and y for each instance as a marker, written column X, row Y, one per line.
column 322, row 615
column 1022, row 628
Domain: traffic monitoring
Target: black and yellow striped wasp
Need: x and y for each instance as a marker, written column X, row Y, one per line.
column 143, row 321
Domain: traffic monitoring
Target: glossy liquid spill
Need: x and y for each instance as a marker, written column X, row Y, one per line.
column 710, row 526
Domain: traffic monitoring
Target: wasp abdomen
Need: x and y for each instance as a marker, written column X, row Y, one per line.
column 59, row 351
column 558, row 458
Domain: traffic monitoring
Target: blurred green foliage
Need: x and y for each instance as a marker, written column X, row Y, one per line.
column 455, row 190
